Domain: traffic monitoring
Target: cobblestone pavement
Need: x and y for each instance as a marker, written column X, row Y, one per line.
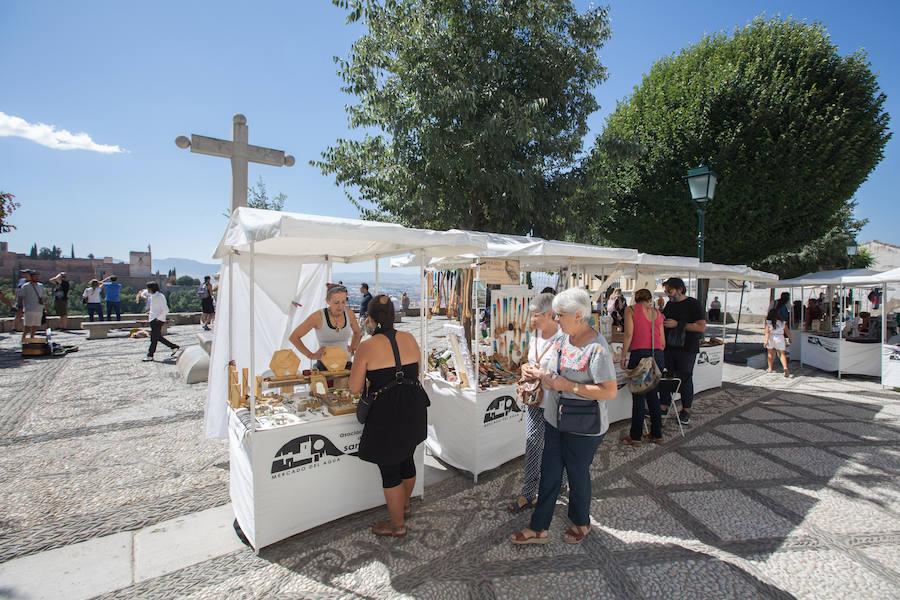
column 781, row 488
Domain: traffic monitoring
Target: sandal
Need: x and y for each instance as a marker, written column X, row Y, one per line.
column 575, row 535
column 521, row 539
column 388, row 529
column 650, row 438
column 627, row 440
column 515, row 508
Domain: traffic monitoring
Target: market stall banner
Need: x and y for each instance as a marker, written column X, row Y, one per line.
column 890, row 365
column 708, row 368
column 302, row 476
column 820, row 352
column 498, row 270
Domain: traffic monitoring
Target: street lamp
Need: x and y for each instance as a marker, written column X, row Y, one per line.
column 851, row 252
column 702, row 180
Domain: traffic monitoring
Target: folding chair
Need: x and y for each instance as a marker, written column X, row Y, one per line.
column 672, row 385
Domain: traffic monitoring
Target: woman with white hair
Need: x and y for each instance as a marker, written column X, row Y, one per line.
column 539, row 351
column 579, row 379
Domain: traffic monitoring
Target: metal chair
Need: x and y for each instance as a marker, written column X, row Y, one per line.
column 673, row 385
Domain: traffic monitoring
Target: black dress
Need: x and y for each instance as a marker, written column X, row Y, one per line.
column 398, row 418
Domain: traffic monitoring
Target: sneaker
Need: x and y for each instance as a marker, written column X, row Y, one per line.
column 685, row 417
column 663, row 411
column 147, row 359
column 206, row 328
column 175, row 352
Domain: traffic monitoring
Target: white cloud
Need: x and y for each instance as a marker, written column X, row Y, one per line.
column 48, row 135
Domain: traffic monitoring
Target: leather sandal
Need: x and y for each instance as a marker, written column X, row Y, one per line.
column 574, row 535
column 515, row 508
column 521, row 539
column 650, row 438
column 388, row 529
column 627, row 440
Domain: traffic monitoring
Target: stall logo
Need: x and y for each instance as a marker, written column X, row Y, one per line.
column 305, row 451
column 894, row 355
column 704, row 358
column 501, row 408
column 817, row 341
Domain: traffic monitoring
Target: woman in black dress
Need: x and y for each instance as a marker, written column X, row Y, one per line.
column 397, row 418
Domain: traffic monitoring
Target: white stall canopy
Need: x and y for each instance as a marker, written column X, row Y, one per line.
column 313, row 238
column 273, row 277
column 844, row 277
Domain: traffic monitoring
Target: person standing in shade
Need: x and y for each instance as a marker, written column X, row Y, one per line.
column 642, row 321
column 112, row 289
column 364, row 303
column 778, row 335
column 334, row 326
column 207, row 303
column 61, row 298
column 684, row 320
column 159, row 309
column 715, row 310
column 539, row 351
column 581, row 367
column 93, row 298
column 31, row 303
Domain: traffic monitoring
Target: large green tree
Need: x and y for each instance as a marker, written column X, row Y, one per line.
column 473, row 110
column 792, row 127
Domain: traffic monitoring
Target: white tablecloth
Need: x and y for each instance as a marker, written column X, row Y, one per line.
column 289, row 479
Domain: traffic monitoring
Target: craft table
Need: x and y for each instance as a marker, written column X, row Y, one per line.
column 285, row 480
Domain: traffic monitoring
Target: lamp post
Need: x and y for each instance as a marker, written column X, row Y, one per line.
column 851, row 252
column 702, row 182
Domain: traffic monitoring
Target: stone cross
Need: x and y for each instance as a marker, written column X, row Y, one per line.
column 240, row 153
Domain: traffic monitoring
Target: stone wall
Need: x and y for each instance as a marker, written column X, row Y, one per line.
column 192, row 318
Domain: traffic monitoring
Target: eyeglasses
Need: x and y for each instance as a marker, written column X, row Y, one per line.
column 558, row 315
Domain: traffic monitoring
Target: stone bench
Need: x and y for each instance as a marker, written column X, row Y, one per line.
column 205, row 338
column 100, row 329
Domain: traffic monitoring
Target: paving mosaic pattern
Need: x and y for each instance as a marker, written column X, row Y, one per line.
column 781, row 488
column 98, row 442
column 752, row 503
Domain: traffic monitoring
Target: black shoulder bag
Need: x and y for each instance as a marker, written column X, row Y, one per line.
column 400, row 378
column 577, row 415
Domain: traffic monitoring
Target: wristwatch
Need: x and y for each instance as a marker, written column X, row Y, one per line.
column 575, row 389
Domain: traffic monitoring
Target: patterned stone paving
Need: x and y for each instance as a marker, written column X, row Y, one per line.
column 781, row 488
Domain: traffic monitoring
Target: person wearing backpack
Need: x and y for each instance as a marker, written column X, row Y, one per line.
column 207, row 304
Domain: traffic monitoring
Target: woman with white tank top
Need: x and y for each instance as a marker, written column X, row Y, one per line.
column 334, row 326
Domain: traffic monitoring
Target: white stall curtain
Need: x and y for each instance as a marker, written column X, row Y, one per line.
column 285, row 294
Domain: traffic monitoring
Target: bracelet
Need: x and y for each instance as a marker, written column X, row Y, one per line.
column 575, row 389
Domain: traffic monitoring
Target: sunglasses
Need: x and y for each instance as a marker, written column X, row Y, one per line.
column 337, row 289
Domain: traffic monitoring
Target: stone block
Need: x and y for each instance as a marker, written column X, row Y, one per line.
column 193, row 364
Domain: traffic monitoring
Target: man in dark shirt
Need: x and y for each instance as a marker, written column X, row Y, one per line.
column 366, row 298
column 682, row 312
column 61, row 298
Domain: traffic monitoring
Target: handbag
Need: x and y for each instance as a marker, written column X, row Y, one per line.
column 577, row 415
column 675, row 336
column 418, row 393
column 645, row 375
column 529, row 391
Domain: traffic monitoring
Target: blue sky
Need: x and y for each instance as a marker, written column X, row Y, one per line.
column 134, row 76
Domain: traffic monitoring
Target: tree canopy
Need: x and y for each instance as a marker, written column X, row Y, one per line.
column 474, row 110
column 792, row 128
column 7, row 205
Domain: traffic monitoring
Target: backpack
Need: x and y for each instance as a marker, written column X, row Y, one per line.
column 203, row 292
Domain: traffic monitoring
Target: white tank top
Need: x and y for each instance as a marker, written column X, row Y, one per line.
column 329, row 335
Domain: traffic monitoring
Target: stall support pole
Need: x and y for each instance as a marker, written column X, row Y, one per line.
column 884, row 316
column 840, row 325
column 376, row 276
column 422, row 330
column 740, row 310
column 725, row 315
column 230, row 305
column 252, row 375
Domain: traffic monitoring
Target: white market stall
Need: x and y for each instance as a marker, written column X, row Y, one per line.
column 475, row 429
column 290, row 478
column 830, row 350
column 890, row 352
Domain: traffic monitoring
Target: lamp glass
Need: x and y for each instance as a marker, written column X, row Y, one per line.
column 699, row 185
column 713, row 180
column 851, row 250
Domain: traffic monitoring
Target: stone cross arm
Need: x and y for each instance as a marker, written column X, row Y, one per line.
column 225, row 149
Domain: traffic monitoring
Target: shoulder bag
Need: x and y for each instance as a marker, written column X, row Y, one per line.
column 529, row 391
column 577, row 415
column 417, row 392
column 645, row 375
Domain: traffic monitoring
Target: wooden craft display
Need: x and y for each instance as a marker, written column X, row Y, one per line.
column 334, row 358
column 510, row 325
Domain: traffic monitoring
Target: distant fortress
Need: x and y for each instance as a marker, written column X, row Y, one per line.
column 135, row 273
